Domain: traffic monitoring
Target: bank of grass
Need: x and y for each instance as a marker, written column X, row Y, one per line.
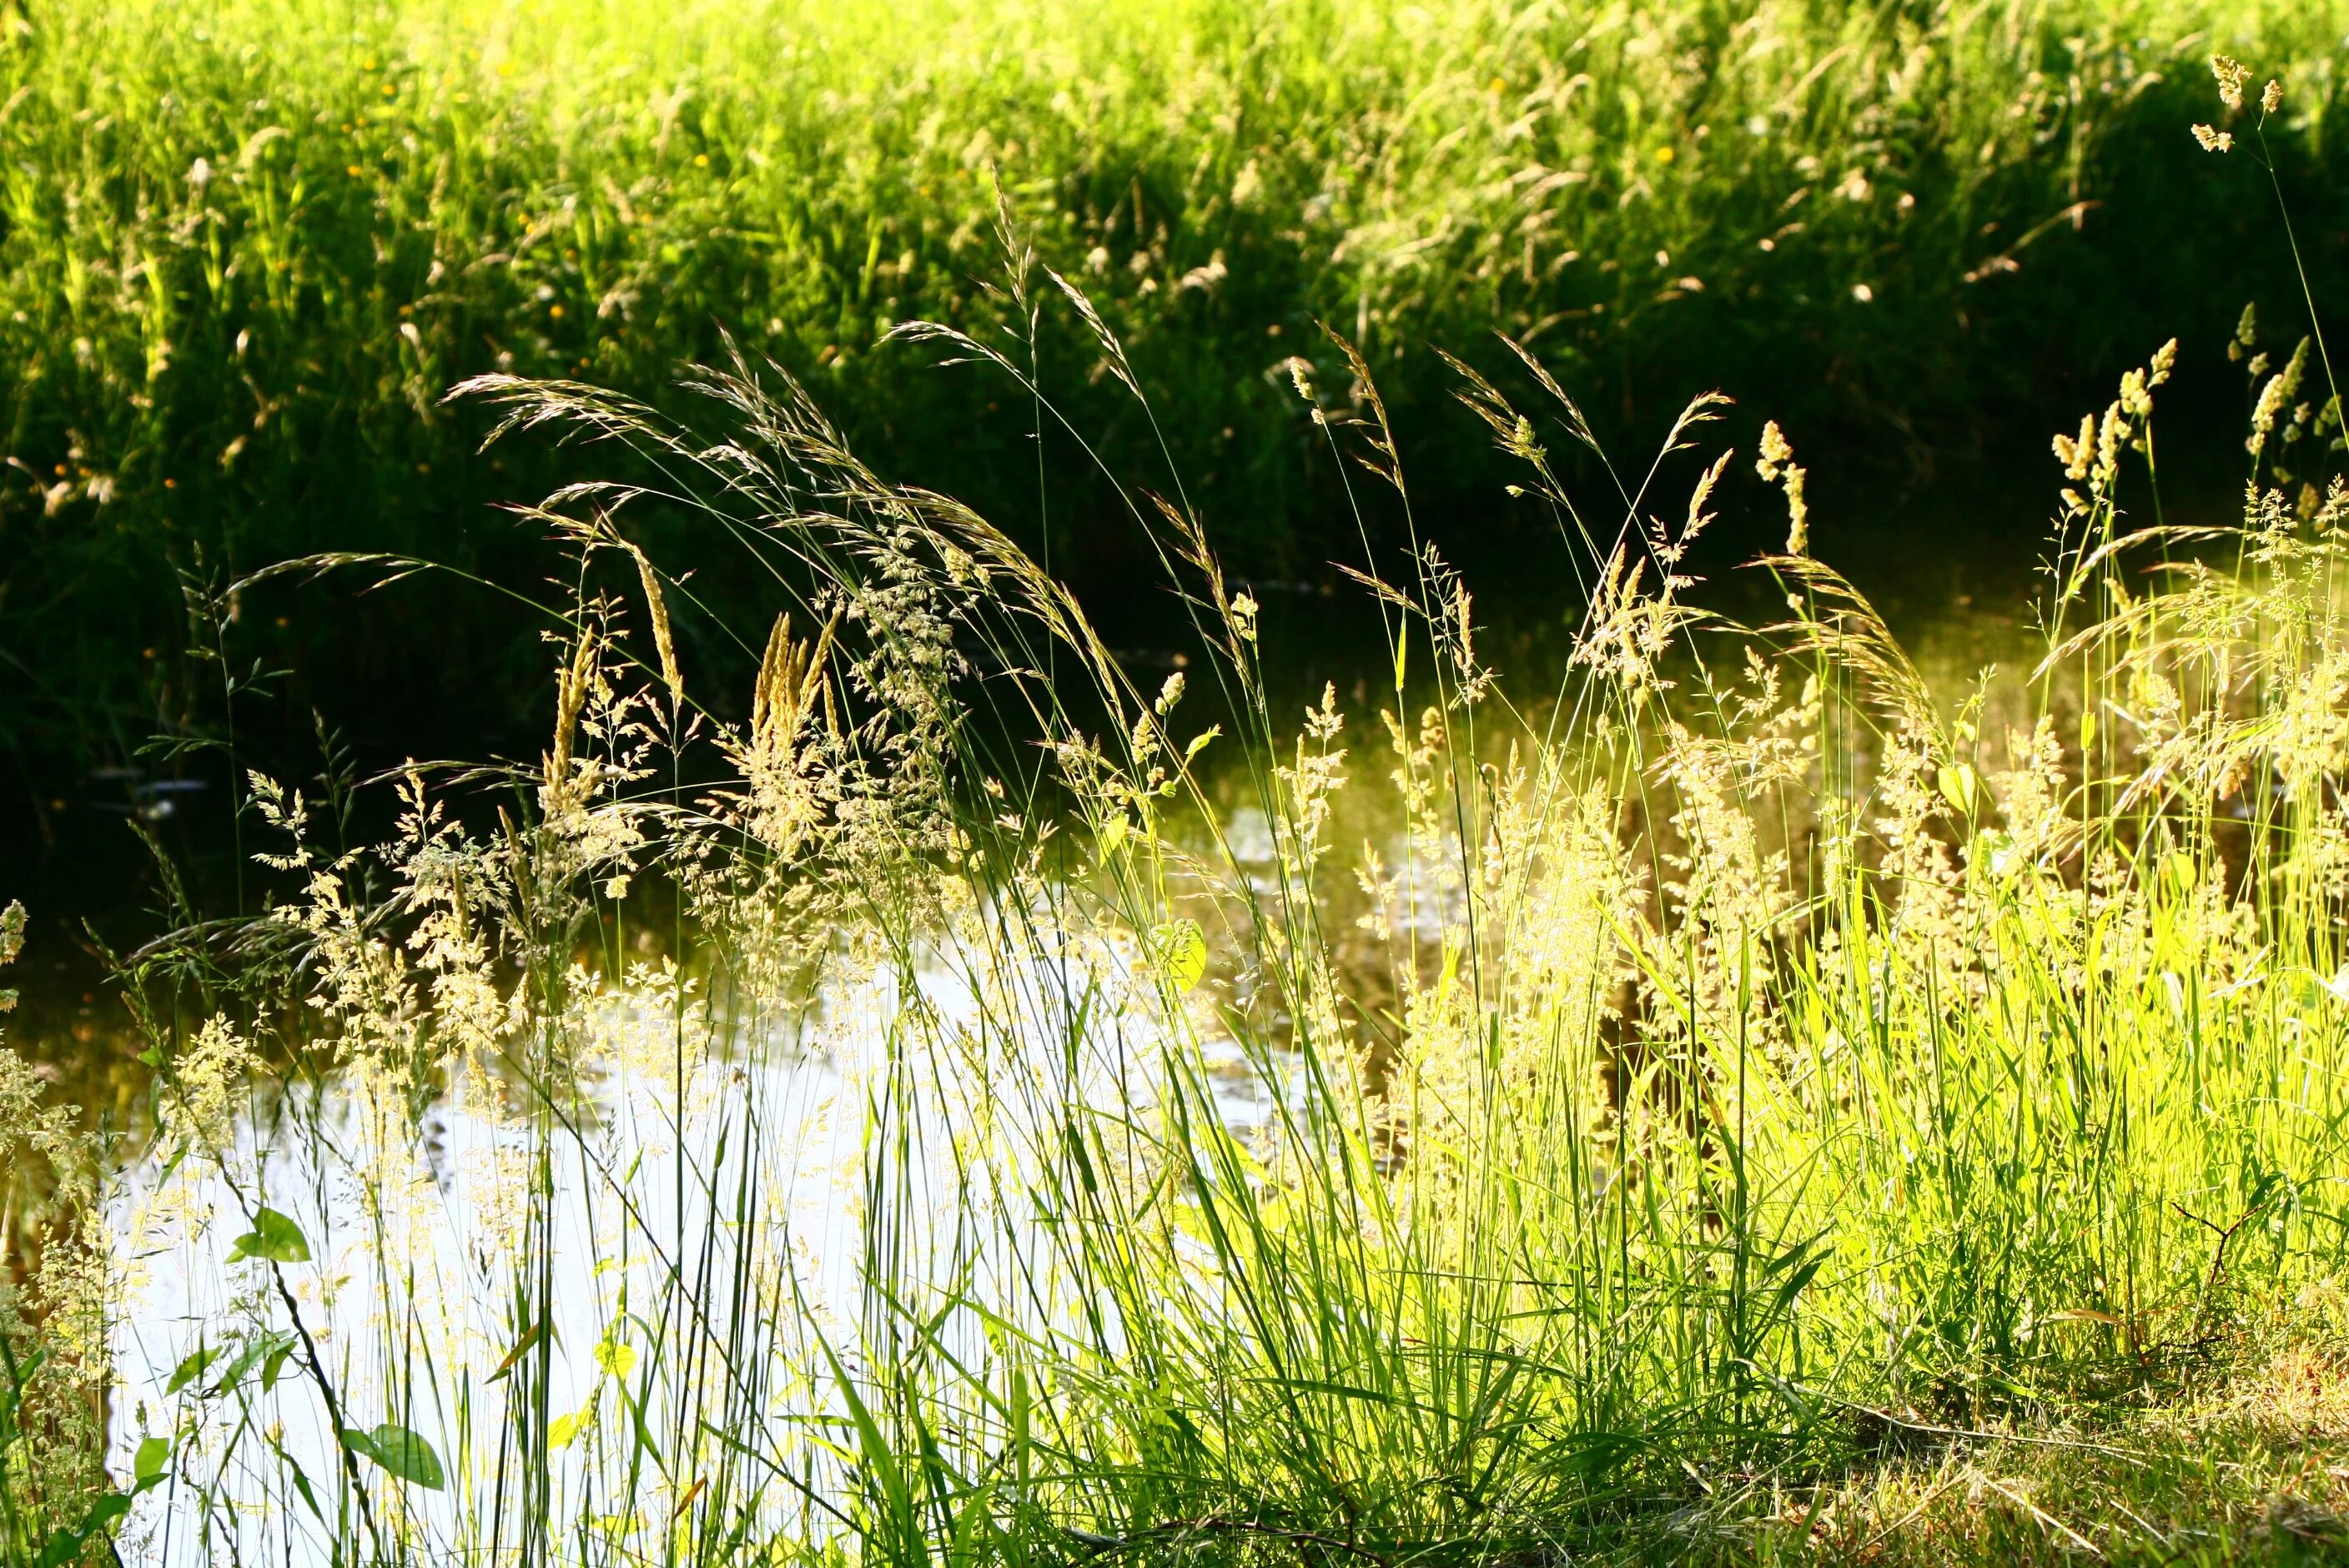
column 245, row 248
column 2238, row 1456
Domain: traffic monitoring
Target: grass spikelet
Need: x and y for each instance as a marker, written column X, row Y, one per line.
column 664, row 636
column 574, row 681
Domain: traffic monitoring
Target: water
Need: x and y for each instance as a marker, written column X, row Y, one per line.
column 783, row 1146
column 91, row 882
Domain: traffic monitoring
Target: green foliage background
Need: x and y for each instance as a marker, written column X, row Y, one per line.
column 244, row 248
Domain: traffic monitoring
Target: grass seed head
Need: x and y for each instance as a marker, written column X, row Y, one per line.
column 2231, row 75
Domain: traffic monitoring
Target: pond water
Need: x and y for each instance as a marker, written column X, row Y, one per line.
column 92, row 885
column 720, row 1182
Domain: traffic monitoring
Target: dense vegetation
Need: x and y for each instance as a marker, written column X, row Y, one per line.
column 1710, row 1111
column 247, row 247
column 878, row 1078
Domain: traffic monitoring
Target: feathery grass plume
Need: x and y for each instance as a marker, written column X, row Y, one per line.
column 2274, row 397
column 2247, row 332
column 573, row 683
column 1836, row 619
column 2231, row 75
column 782, row 797
column 779, row 704
column 432, row 241
column 664, row 637
column 1776, row 465
column 2079, row 455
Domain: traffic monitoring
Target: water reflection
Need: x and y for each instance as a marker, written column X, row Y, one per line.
column 724, row 1182
column 72, row 1022
column 419, row 1224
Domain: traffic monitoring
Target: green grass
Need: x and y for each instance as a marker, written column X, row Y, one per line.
column 245, row 248
column 2236, row 1459
column 1740, row 1101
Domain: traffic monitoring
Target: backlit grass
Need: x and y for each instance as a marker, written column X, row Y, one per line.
column 247, row 246
column 1739, row 1103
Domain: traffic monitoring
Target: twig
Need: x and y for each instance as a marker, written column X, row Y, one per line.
column 2156, row 1536
column 333, row 1405
column 2225, row 1234
column 1931, row 1431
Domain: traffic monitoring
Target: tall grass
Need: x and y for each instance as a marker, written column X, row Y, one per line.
column 961, row 1134
column 246, row 245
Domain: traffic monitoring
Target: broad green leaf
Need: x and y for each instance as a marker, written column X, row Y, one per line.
column 2177, row 867
column 564, row 1430
column 275, row 1237
column 1181, row 950
column 1796, row 1405
column 12, row 1393
column 153, row 1454
column 530, row 1337
column 1794, row 1254
column 302, row 1485
column 103, row 1512
column 1795, row 1281
column 404, row 1453
column 971, row 1522
column 879, row 1458
column 1960, row 787
column 616, row 1356
column 190, row 1368
column 255, row 1353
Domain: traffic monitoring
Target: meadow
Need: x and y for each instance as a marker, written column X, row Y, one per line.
column 884, row 1076
column 247, row 247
